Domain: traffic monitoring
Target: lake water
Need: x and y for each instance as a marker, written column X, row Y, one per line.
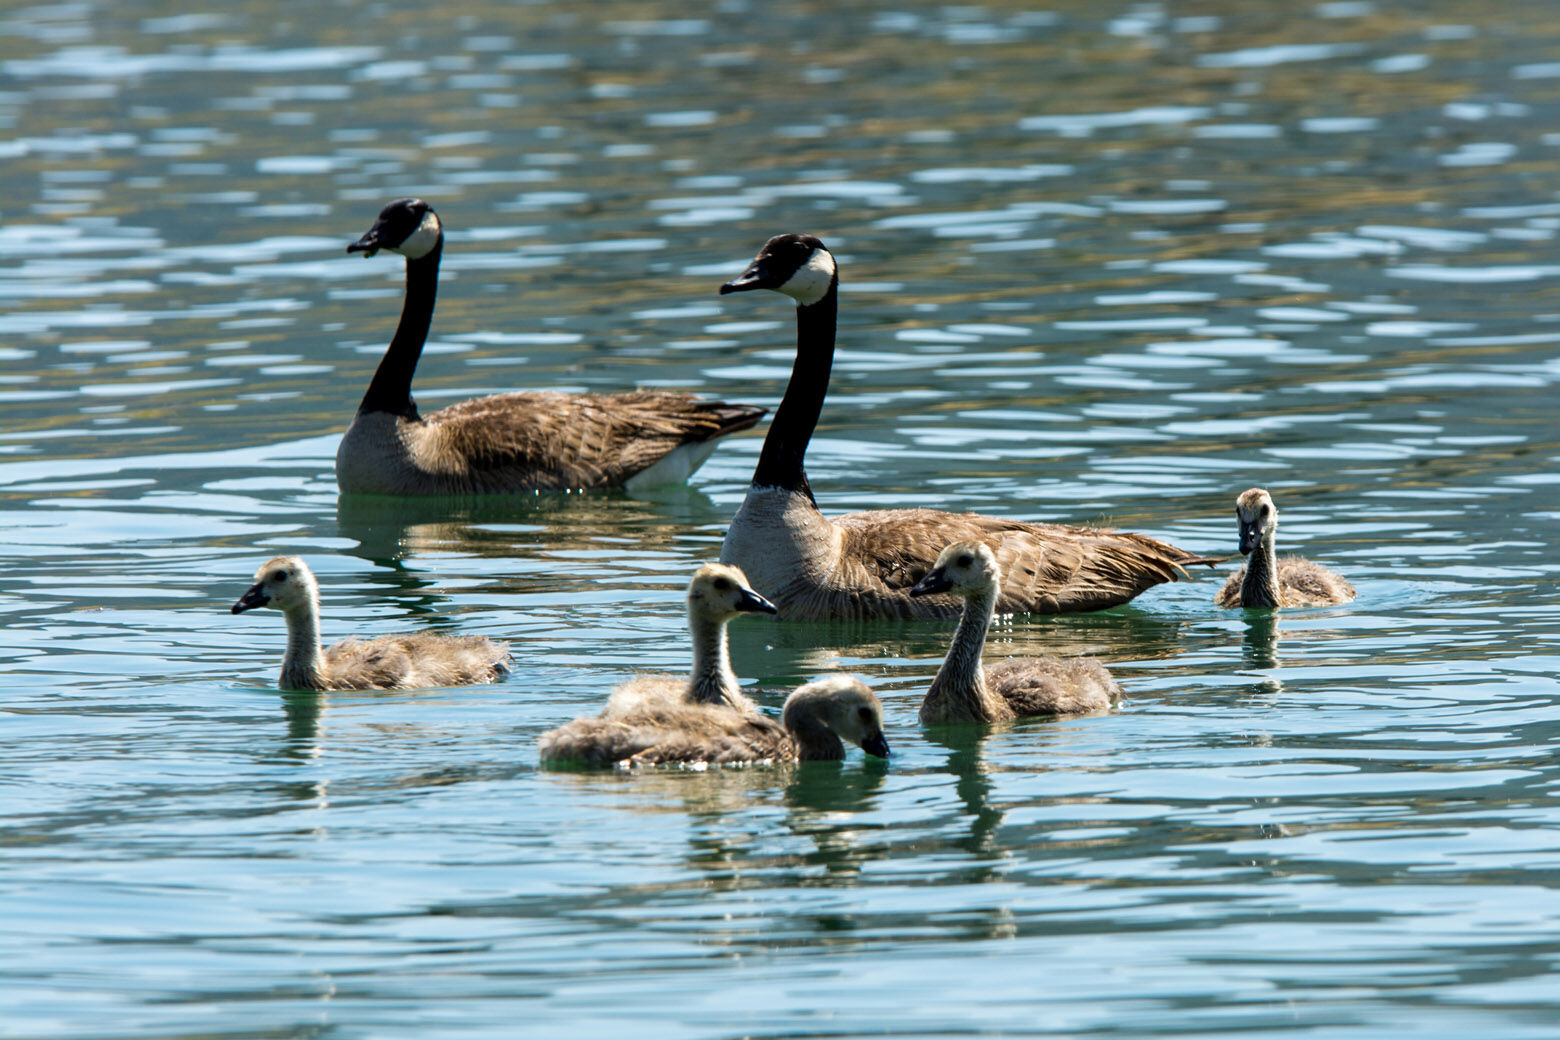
column 1105, row 262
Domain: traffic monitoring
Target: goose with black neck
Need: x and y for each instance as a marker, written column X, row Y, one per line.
column 863, row 565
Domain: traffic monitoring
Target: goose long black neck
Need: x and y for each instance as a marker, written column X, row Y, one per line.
column 780, row 463
column 391, row 388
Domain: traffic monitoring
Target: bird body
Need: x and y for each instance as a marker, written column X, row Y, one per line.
column 391, row 662
column 514, row 442
column 967, row 691
column 863, row 565
column 1268, row 581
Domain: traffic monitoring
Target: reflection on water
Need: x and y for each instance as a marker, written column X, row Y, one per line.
column 1102, row 264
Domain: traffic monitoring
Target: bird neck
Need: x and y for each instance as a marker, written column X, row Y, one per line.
column 303, row 665
column 813, row 739
column 391, row 388
column 780, row 463
column 1260, row 586
column 960, row 687
column 712, row 681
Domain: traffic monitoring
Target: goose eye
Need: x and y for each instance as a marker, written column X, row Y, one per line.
column 965, row 560
column 722, row 585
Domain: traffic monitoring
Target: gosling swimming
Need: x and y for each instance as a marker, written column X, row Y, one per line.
column 1267, row 581
column 514, row 442
column 966, row 691
column 392, row 662
column 659, row 732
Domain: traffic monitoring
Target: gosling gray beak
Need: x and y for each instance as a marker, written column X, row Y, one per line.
column 752, row 603
column 1250, row 537
column 255, row 596
column 877, row 745
column 936, row 580
column 756, row 276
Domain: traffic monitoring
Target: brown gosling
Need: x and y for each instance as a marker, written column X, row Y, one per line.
column 815, row 722
column 1267, row 581
column 862, row 565
column 967, row 691
column 514, row 442
column 394, row 662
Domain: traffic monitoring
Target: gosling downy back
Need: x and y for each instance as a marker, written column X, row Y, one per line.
column 1268, row 581
column 391, row 662
column 863, row 565
column 514, row 442
column 967, row 691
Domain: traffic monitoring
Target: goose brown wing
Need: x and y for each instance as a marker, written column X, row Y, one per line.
column 1046, row 568
column 555, row 441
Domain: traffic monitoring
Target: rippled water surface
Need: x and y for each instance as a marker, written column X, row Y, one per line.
column 1102, row 262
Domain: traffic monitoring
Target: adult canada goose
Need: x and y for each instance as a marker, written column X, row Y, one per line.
column 394, row 662
column 716, row 595
column 1267, row 581
column 812, row 723
column 526, row 441
column 863, row 565
column 967, row 691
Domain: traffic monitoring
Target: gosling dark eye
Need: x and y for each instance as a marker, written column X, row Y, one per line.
column 279, row 576
column 864, row 713
column 1263, row 511
column 965, row 560
column 722, row 585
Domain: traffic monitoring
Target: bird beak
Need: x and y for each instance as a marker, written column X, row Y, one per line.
column 256, row 596
column 752, row 603
column 368, row 245
column 876, row 744
column 756, row 276
column 1250, row 536
column 936, row 580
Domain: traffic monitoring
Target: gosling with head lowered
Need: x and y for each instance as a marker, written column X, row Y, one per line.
column 705, row 717
column 524, row 441
column 965, row 690
column 393, row 662
column 1266, row 580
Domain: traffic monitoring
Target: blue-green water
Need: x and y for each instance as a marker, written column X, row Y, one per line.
column 1101, row 263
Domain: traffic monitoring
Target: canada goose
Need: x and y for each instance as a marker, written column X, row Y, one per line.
column 1267, row 581
column 394, row 662
column 716, row 595
column 811, row 724
column 863, row 565
column 526, row 441
column 965, row 691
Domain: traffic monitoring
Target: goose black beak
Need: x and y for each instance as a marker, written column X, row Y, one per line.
column 756, row 276
column 876, row 745
column 255, row 596
column 368, row 245
column 752, row 603
column 936, row 580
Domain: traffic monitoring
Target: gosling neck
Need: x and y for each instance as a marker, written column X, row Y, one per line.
column 1260, row 586
column 780, row 463
column 391, row 388
column 713, row 681
column 811, row 736
column 959, row 693
column 303, row 665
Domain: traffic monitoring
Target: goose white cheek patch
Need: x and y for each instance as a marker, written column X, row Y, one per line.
column 421, row 242
column 811, row 281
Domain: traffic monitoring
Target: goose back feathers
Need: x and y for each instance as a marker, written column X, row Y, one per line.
column 1268, row 581
column 965, row 690
column 863, row 565
column 514, row 442
column 392, row 662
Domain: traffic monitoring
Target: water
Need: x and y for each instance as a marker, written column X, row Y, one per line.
column 1102, row 262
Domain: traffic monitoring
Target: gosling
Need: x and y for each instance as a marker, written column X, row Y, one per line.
column 966, row 691
column 815, row 718
column 393, row 662
column 1267, row 581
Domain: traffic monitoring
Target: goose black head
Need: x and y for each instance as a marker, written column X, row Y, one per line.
column 800, row 266
column 406, row 226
